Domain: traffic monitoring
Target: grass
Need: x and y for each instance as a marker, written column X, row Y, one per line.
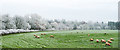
column 62, row 39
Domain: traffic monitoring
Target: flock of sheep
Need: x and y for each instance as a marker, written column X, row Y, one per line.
column 11, row 31
column 103, row 41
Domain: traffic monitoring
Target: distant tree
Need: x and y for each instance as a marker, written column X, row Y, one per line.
column 97, row 26
column 0, row 22
column 118, row 25
column 90, row 25
column 7, row 22
column 20, row 22
column 63, row 21
column 48, row 26
column 57, row 21
column 75, row 27
column 36, row 22
column 112, row 25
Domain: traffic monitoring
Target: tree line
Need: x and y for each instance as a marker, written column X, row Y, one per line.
column 36, row 22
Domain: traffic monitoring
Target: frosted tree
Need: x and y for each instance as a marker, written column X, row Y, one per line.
column 20, row 22
column 0, row 22
column 90, row 25
column 104, row 25
column 4, row 21
column 97, row 26
column 36, row 22
column 7, row 22
column 54, row 25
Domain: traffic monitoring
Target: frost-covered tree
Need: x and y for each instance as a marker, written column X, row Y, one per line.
column 96, row 25
column 7, row 22
column 20, row 22
column 36, row 22
column 90, row 25
column 0, row 22
column 4, row 21
column 103, row 25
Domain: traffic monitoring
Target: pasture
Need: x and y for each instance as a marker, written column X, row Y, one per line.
column 62, row 39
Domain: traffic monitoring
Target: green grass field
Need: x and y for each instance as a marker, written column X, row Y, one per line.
column 62, row 39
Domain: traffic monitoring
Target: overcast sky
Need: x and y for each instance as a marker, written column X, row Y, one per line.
column 80, row 10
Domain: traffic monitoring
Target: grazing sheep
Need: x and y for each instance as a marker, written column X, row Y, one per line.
column 51, row 36
column 88, row 34
column 106, row 43
column 97, row 40
column 41, row 33
column 111, row 39
column 35, row 35
column 105, row 33
column 91, row 39
column 38, row 36
column 110, row 42
column 44, row 33
column 103, row 41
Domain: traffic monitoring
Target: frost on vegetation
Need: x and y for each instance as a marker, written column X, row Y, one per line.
column 34, row 22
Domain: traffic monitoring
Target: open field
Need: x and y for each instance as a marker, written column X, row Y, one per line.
column 62, row 39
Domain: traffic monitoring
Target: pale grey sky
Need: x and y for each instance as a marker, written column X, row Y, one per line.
column 81, row 10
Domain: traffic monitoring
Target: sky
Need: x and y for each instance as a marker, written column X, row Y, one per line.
column 73, row 10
